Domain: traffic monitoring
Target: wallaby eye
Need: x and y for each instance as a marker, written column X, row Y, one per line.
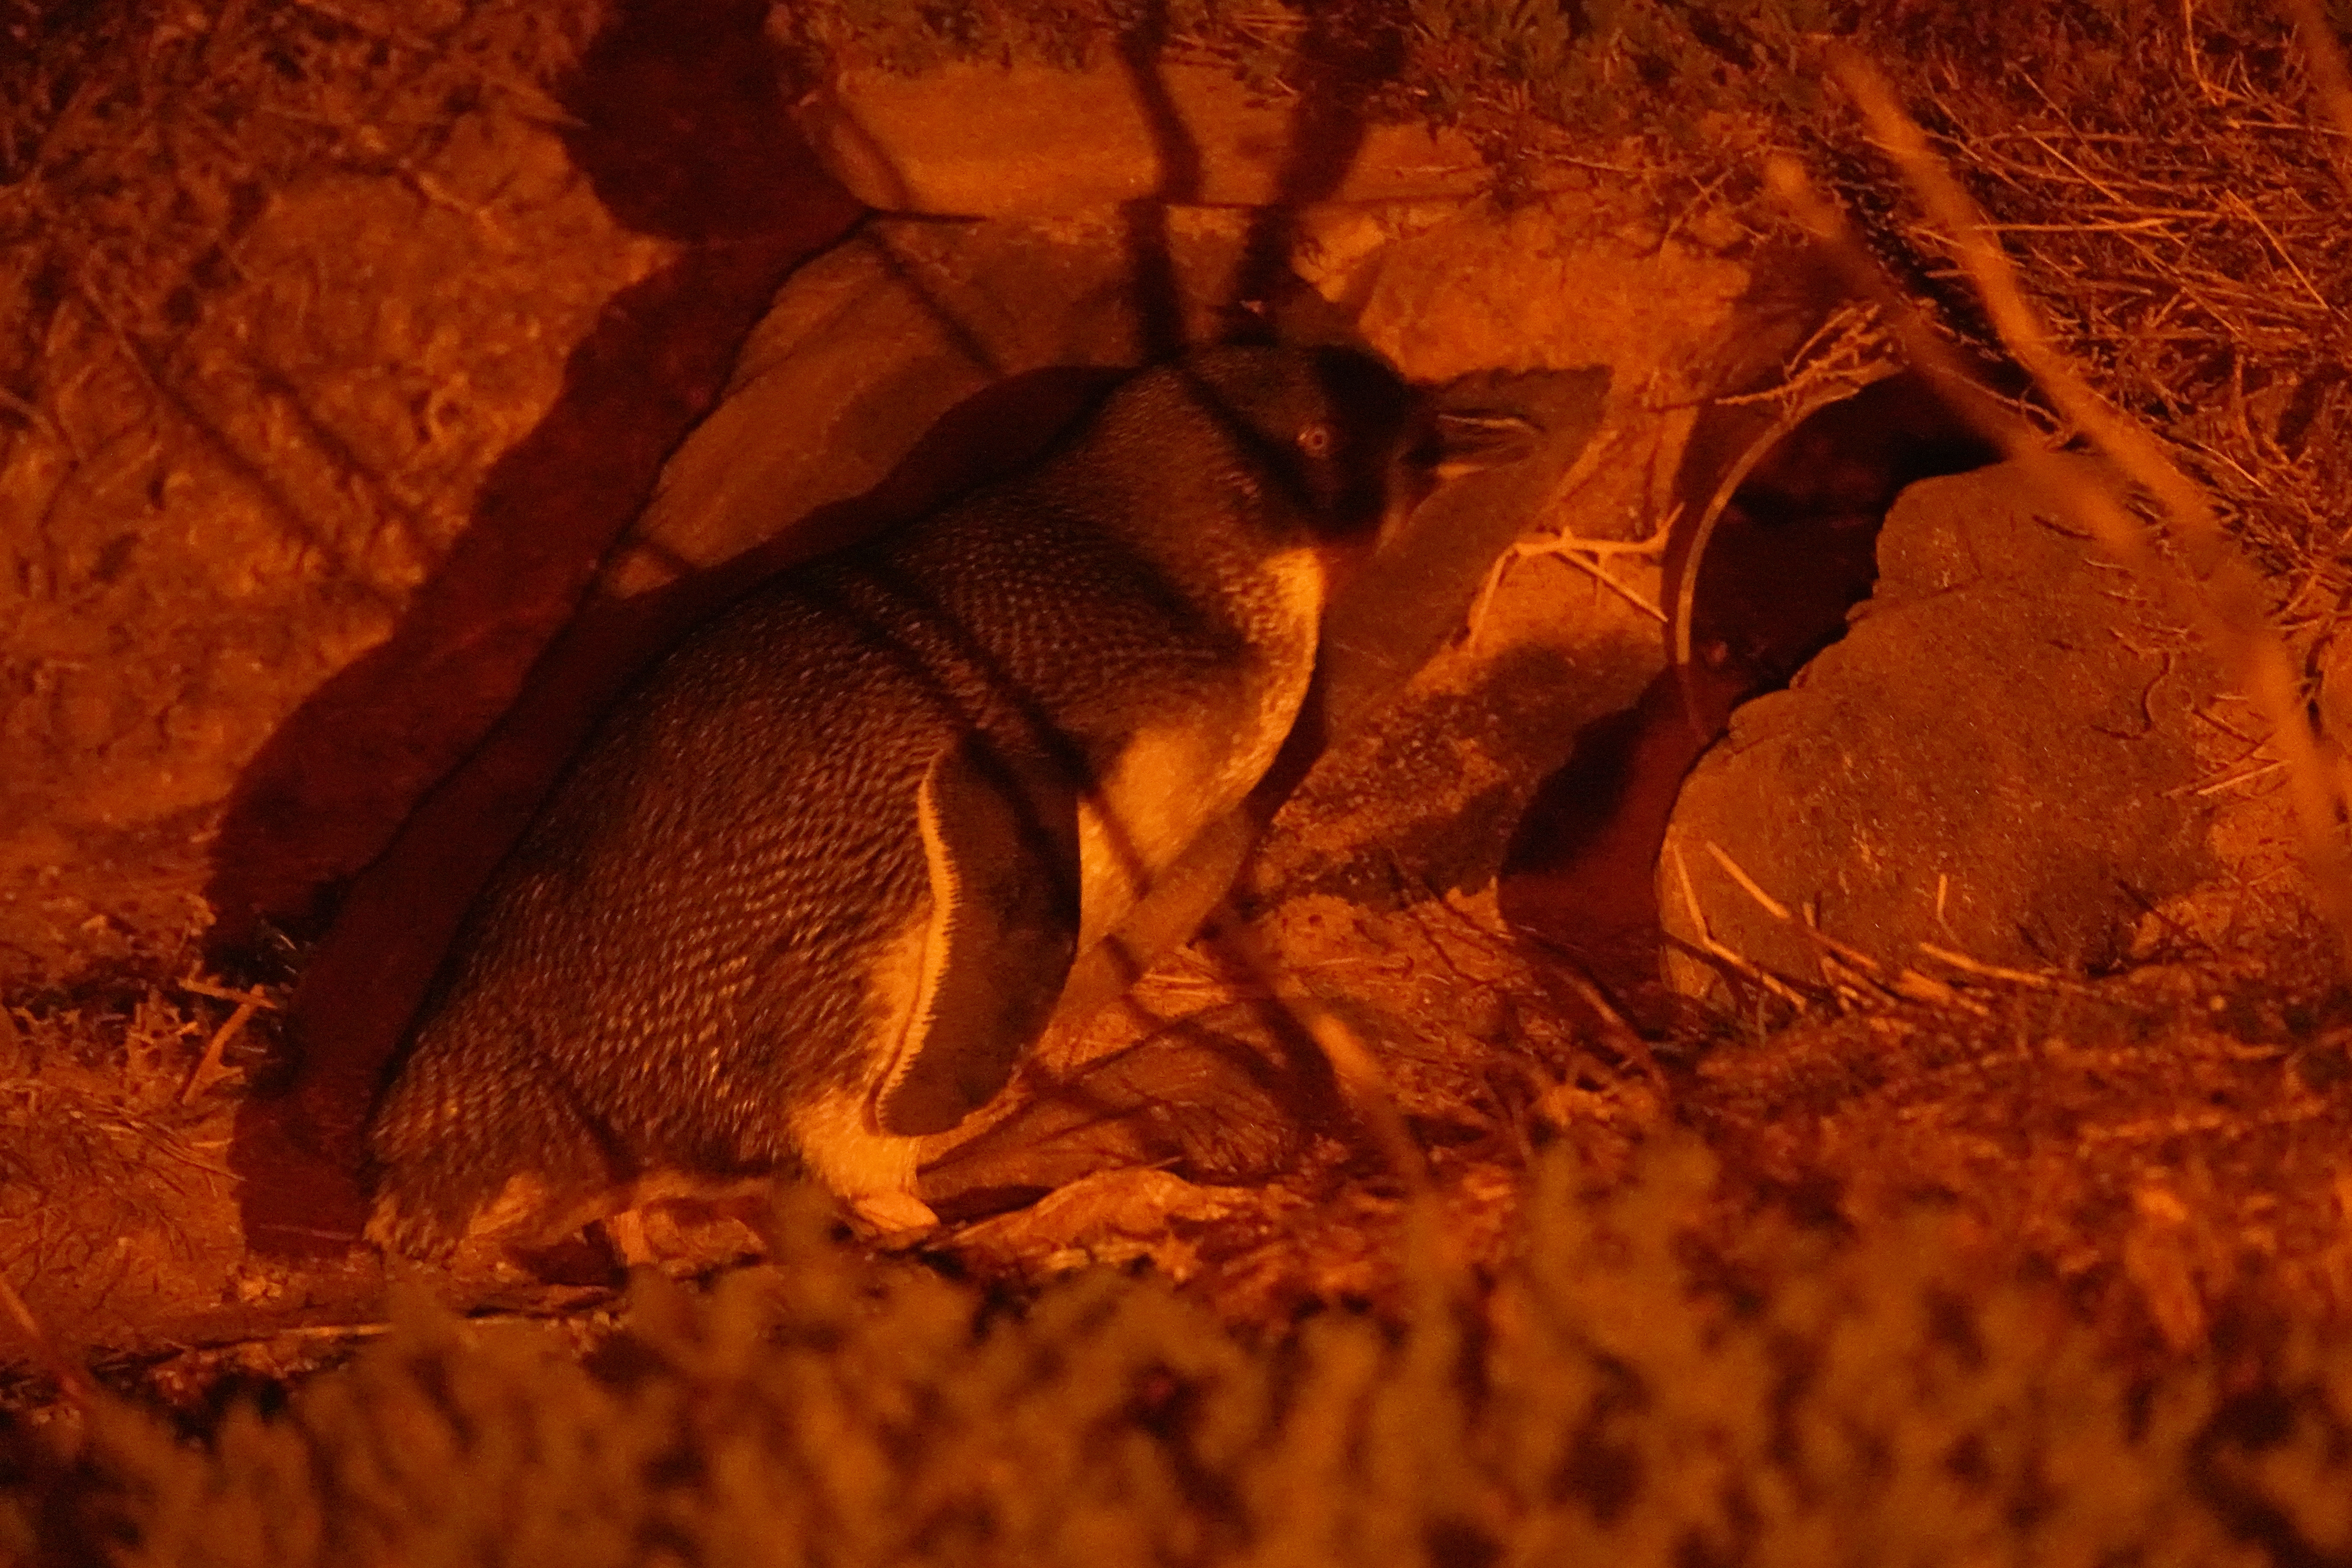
column 1315, row 440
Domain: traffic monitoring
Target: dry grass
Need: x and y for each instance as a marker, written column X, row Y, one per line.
column 2168, row 1146
column 93, row 1092
column 114, row 1140
column 137, row 145
column 2170, row 199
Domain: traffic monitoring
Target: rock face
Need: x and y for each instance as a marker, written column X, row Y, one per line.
column 370, row 353
column 986, row 140
column 214, row 527
column 1999, row 759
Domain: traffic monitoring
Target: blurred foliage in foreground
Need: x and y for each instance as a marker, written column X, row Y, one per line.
column 1619, row 1387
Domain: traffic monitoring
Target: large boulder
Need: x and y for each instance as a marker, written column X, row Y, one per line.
column 1006, row 141
column 2001, row 759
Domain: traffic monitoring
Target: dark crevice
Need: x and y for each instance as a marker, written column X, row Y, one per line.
column 1794, row 551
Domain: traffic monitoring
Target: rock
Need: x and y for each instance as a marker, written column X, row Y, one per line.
column 1114, row 1218
column 1224, row 1107
column 1997, row 759
column 837, row 397
column 987, row 141
column 347, row 397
